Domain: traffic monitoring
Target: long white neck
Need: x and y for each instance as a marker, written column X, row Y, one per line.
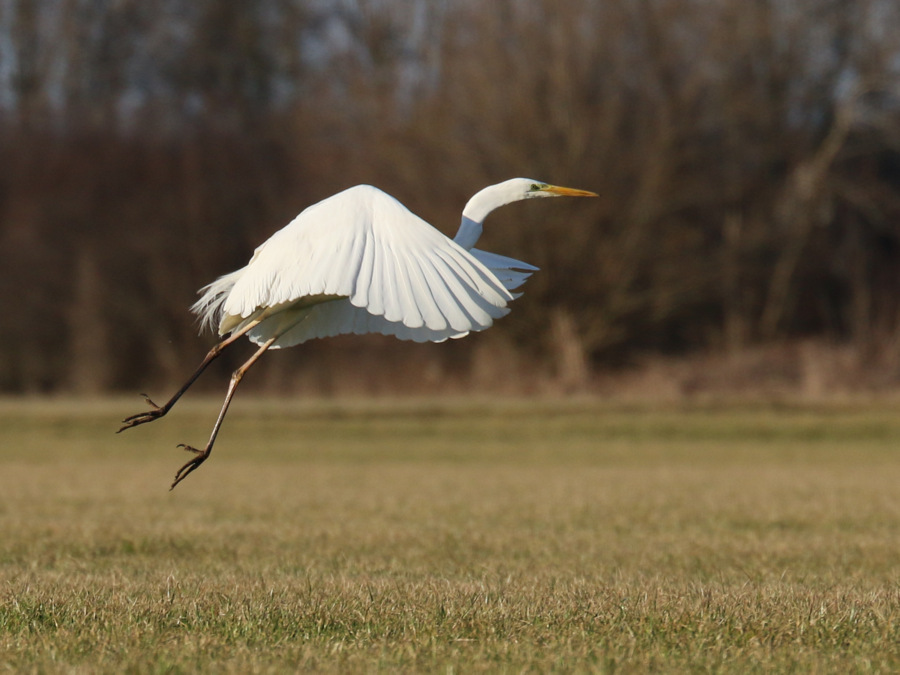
column 478, row 208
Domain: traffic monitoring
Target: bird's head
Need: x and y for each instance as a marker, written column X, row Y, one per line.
column 493, row 196
column 527, row 188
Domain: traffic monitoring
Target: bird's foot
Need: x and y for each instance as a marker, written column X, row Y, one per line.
column 154, row 413
column 195, row 461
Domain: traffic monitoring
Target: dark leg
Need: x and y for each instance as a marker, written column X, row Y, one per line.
column 200, row 456
column 158, row 411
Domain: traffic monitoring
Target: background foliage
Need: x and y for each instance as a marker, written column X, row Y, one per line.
column 747, row 154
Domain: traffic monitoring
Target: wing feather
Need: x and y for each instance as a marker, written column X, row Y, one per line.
column 476, row 276
column 472, row 307
column 425, row 300
column 408, row 312
column 511, row 272
column 362, row 288
column 391, row 291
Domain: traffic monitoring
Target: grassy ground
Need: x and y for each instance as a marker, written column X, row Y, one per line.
column 451, row 537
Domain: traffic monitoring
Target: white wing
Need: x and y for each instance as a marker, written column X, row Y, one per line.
column 378, row 267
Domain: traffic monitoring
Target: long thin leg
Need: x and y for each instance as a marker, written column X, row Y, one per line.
column 158, row 411
column 200, row 456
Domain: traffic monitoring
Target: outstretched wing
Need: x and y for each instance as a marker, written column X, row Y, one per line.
column 359, row 262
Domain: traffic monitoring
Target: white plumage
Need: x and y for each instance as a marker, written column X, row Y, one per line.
column 360, row 262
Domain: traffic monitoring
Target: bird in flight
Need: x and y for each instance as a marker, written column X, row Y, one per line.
column 359, row 262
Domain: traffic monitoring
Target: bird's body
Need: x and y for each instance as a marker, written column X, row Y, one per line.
column 360, row 262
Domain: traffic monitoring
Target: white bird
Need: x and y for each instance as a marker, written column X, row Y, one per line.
column 360, row 262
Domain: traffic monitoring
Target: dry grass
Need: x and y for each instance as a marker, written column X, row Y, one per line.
column 451, row 537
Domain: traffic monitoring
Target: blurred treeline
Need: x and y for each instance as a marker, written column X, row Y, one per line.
column 747, row 154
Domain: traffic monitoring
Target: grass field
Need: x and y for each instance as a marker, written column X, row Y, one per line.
column 451, row 537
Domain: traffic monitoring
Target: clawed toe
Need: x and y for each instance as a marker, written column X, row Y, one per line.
column 140, row 418
column 154, row 413
column 198, row 459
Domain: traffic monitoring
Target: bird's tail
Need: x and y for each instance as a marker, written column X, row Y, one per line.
column 209, row 307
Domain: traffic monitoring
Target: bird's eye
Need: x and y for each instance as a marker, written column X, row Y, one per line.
column 534, row 187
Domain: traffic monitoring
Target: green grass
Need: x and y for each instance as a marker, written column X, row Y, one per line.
column 451, row 537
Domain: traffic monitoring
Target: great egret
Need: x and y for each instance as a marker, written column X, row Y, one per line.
column 359, row 262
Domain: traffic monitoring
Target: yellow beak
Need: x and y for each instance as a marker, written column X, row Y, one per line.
column 568, row 192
